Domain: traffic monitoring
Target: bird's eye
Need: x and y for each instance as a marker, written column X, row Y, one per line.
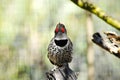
column 62, row 30
column 56, row 30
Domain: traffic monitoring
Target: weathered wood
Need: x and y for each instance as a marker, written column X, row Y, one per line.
column 62, row 73
column 106, row 44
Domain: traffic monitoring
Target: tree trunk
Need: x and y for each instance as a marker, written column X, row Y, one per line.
column 90, row 51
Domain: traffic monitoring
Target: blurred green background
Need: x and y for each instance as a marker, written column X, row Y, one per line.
column 27, row 26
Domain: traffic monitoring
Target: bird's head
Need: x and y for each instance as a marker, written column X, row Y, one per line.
column 60, row 37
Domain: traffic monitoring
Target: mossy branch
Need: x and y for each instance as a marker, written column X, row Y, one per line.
column 98, row 12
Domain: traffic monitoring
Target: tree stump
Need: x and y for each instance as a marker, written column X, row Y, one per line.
column 62, row 73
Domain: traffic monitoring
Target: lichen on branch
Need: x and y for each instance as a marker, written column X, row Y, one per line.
column 98, row 12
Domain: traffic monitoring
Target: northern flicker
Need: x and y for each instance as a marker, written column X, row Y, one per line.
column 60, row 47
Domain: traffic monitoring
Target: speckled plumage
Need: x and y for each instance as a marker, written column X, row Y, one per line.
column 59, row 55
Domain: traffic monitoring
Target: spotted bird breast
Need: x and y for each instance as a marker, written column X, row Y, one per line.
column 59, row 55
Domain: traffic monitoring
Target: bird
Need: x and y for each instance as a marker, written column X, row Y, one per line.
column 60, row 48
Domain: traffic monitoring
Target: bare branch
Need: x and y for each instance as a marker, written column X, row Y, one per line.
column 106, row 44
